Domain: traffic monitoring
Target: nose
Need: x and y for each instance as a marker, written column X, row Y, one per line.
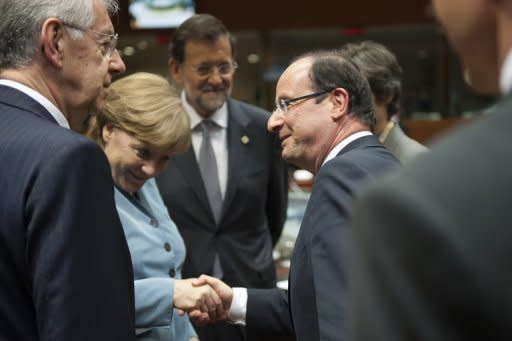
column 215, row 77
column 116, row 64
column 275, row 122
column 149, row 169
column 152, row 168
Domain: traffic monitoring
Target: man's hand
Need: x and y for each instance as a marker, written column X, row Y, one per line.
column 224, row 292
column 198, row 297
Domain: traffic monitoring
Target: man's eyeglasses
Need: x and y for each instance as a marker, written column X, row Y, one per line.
column 285, row 103
column 107, row 47
column 224, row 69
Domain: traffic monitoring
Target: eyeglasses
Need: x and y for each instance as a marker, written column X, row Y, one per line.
column 107, row 47
column 224, row 69
column 285, row 103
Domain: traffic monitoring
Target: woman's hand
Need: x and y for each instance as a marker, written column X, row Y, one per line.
column 188, row 297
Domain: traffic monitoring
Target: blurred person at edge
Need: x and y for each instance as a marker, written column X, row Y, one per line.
column 143, row 125
column 440, row 267
column 233, row 236
column 380, row 67
column 64, row 262
column 324, row 118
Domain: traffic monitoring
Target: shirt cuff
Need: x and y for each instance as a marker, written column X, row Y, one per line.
column 238, row 308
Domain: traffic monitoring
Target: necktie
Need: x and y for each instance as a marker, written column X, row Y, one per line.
column 209, row 170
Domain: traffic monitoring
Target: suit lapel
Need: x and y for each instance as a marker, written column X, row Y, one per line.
column 187, row 165
column 238, row 138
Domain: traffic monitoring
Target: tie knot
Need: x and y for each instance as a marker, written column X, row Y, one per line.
column 207, row 125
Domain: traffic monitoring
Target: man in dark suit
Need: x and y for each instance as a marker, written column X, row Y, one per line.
column 65, row 270
column 324, row 118
column 229, row 231
column 432, row 244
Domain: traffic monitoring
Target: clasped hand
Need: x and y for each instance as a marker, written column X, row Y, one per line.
column 206, row 299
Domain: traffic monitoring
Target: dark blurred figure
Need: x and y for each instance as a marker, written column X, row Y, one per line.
column 433, row 244
column 380, row 66
column 227, row 193
column 64, row 263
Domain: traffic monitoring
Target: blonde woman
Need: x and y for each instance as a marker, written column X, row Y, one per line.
column 142, row 125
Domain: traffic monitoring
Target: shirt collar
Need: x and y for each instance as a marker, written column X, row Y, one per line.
column 220, row 117
column 45, row 102
column 339, row 147
column 506, row 75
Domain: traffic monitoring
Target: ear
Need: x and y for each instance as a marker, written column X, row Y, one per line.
column 107, row 132
column 175, row 70
column 52, row 41
column 340, row 100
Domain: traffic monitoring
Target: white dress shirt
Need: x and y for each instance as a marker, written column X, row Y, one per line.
column 45, row 102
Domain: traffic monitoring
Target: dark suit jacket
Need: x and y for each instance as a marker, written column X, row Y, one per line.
column 317, row 283
column 254, row 204
column 433, row 243
column 65, row 270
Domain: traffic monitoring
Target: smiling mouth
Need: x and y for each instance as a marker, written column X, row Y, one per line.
column 137, row 179
column 284, row 138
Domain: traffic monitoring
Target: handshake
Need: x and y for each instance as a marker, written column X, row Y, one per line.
column 205, row 299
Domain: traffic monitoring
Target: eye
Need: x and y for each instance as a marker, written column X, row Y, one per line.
column 203, row 70
column 142, row 153
column 105, row 47
column 283, row 105
column 225, row 68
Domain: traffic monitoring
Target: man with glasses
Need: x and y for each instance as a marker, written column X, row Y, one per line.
column 65, row 270
column 227, row 194
column 324, row 118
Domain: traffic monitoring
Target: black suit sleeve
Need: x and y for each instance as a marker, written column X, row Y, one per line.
column 268, row 315
column 76, row 250
column 277, row 192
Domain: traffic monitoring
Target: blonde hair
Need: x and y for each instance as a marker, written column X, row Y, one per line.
column 146, row 106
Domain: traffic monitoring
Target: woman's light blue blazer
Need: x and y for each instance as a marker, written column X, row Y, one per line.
column 158, row 252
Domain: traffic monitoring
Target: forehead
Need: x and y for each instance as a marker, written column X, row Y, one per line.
column 199, row 51
column 102, row 21
column 295, row 79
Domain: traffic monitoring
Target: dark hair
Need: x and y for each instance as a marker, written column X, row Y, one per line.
column 329, row 70
column 380, row 66
column 199, row 27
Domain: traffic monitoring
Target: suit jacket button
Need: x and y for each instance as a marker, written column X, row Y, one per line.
column 167, row 247
column 153, row 222
column 172, row 273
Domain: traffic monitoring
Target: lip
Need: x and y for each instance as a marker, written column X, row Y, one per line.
column 213, row 90
column 284, row 138
column 135, row 179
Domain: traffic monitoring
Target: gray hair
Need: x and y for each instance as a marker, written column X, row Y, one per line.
column 22, row 21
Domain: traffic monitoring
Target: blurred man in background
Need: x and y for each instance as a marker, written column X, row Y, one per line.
column 380, row 67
